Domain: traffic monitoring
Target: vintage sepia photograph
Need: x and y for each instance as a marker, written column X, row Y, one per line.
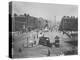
column 42, row 29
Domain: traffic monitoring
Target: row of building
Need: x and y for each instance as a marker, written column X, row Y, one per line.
column 69, row 23
column 27, row 23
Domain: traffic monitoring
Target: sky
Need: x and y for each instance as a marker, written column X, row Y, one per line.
column 45, row 10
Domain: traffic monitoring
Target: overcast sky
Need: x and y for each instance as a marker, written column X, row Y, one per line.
column 47, row 11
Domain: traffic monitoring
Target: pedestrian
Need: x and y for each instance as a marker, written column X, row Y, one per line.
column 37, row 36
column 27, row 41
column 34, row 37
column 20, row 50
column 35, row 42
column 48, row 53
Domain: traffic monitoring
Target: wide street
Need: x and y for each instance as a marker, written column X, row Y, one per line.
column 40, row 50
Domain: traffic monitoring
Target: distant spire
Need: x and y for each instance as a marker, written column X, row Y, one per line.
column 55, row 19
